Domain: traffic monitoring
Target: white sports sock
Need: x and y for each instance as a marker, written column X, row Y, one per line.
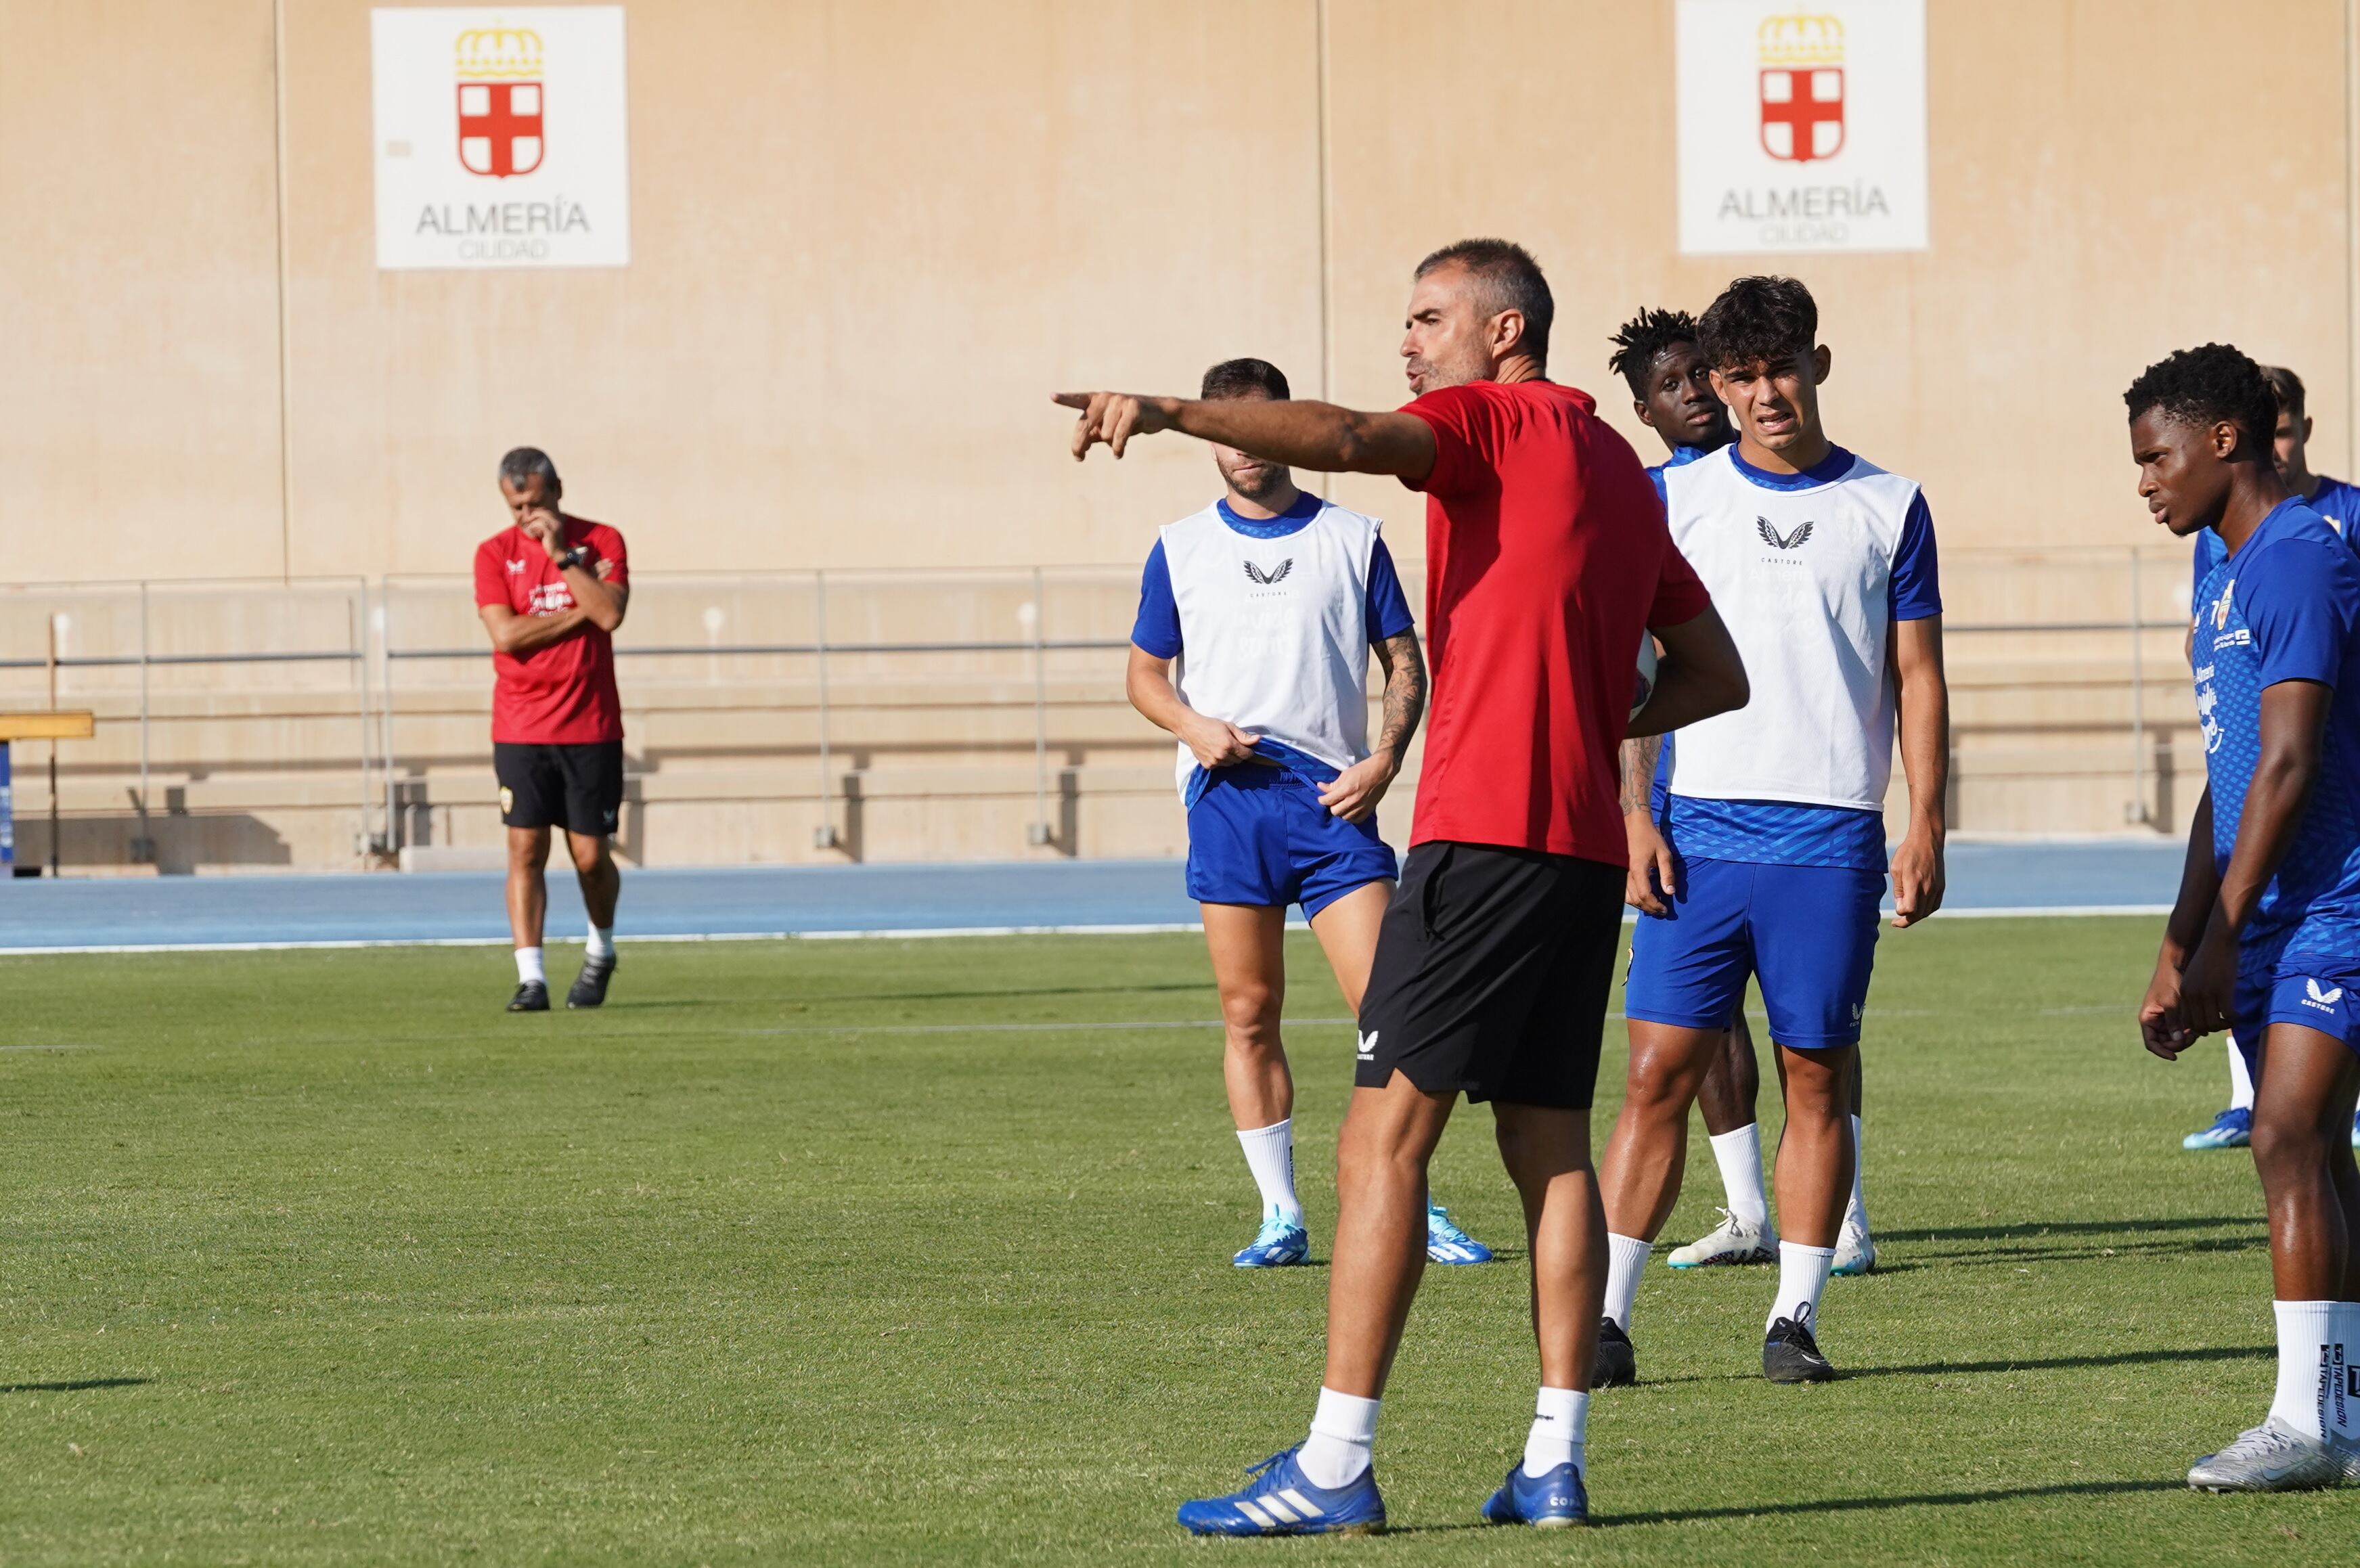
column 1560, row 1426
column 601, row 944
column 1343, row 1436
column 1739, row 1155
column 1856, row 1212
column 2241, row 1080
column 1626, row 1256
column 529, row 967
column 1270, row 1155
column 1802, row 1280
column 2338, row 1373
column 2302, row 1334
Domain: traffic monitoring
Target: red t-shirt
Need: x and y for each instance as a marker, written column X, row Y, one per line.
column 1547, row 556
column 563, row 693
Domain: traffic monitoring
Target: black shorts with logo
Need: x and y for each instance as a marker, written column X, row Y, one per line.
column 577, row 787
column 1493, row 973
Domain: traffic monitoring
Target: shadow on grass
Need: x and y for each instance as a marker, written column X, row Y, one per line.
column 74, row 1387
column 2033, row 1230
column 1204, row 987
column 2026, row 1363
column 1918, row 1500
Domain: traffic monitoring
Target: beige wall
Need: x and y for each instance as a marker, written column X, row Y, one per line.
column 869, row 237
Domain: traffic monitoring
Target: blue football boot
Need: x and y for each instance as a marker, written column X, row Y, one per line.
column 1280, row 1500
column 2356, row 1130
column 2233, row 1129
column 1446, row 1243
column 1552, row 1501
column 1280, row 1243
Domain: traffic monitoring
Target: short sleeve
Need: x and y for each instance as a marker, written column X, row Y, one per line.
column 2299, row 607
column 1680, row 596
column 2207, row 557
column 491, row 579
column 1389, row 614
column 608, row 543
column 1156, row 630
column 1916, row 588
column 1461, row 420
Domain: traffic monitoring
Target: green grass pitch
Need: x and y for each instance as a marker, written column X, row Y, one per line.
column 887, row 1251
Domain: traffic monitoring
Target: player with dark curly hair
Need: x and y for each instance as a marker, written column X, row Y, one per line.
column 2264, row 940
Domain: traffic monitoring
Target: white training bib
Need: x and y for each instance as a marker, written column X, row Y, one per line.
column 1274, row 631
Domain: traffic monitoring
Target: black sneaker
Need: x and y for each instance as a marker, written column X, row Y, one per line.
column 589, row 987
column 1614, row 1365
column 532, row 996
column 1789, row 1354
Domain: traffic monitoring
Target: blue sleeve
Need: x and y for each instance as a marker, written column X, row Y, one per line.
column 2207, row 557
column 2300, row 603
column 1389, row 614
column 1157, row 629
column 1916, row 571
column 1662, row 491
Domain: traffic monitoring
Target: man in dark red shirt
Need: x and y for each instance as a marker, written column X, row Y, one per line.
column 552, row 589
column 1547, row 562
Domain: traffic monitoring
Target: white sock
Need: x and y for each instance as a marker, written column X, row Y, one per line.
column 1560, row 1426
column 1270, row 1155
column 1739, row 1155
column 2302, row 1335
column 2241, row 1081
column 1856, row 1212
column 529, row 967
column 1802, row 1280
column 1343, row 1434
column 601, row 944
column 2338, row 1373
column 1626, row 1256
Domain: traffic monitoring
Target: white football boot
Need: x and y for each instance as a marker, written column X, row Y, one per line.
column 1734, row 1241
column 2271, row 1457
column 1855, row 1253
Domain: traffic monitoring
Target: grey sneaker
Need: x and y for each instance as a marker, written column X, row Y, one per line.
column 2271, row 1457
column 2348, row 1455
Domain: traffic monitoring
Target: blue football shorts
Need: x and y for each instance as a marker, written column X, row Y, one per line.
column 1807, row 933
column 1259, row 835
column 2320, row 993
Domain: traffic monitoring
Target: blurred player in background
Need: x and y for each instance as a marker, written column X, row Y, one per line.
column 1268, row 601
column 2264, row 940
column 1770, row 857
column 2338, row 504
column 1547, row 563
column 552, row 589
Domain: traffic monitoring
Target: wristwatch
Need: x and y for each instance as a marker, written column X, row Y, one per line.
column 578, row 556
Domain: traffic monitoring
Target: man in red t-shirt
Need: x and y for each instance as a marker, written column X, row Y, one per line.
column 1547, row 562
column 551, row 590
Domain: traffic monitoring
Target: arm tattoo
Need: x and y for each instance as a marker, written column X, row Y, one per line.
column 1405, row 693
column 1639, row 772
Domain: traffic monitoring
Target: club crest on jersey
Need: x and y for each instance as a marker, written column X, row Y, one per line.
column 2221, row 606
column 1269, row 578
column 1770, row 536
column 2324, row 1000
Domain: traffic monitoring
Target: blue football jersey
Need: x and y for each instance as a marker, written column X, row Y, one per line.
column 2337, row 502
column 2285, row 608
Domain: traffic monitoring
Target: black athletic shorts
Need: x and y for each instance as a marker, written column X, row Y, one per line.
column 577, row 787
column 1492, row 972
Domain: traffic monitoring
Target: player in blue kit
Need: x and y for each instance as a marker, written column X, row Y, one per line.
column 1256, row 619
column 2340, row 503
column 1774, row 828
column 2264, row 940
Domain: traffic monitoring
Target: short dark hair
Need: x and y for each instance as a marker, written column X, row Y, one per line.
column 1759, row 320
column 1646, row 338
column 521, row 463
column 2210, row 386
column 1510, row 280
column 1243, row 378
column 2288, row 385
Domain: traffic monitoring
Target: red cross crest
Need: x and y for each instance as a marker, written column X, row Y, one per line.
column 1802, row 112
column 499, row 127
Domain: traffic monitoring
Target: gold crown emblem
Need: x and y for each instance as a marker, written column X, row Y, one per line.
column 499, row 53
column 1800, row 40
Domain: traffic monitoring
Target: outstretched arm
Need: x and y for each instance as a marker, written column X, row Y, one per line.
column 1353, row 794
column 1923, row 695
column 1317, row 436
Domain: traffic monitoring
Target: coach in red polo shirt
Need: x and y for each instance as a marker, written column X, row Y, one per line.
column 1547, row 560
column 552, row 589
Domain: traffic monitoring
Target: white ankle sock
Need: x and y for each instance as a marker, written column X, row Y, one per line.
column 2338, row 1373
column 1270, row 1155
column 1626, row 1256
column 1856, row 1212
column 1560, row 1427
column 1802, row 1280
column 529, row 967
column 601, row 944
column 2302, row 1334
column 1739, row 1155
column 2241, row 1081
column 1343, row 1434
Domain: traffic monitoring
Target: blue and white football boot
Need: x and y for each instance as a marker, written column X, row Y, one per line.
column 2233, row 1129
column 1280, row 1243
column 2356, row 1130
column 1280, row 1500
column 1552, row 1501
column 1446, row 1243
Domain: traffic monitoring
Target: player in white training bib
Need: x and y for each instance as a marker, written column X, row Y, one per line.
column 1257, row 616
column 1774, row 827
